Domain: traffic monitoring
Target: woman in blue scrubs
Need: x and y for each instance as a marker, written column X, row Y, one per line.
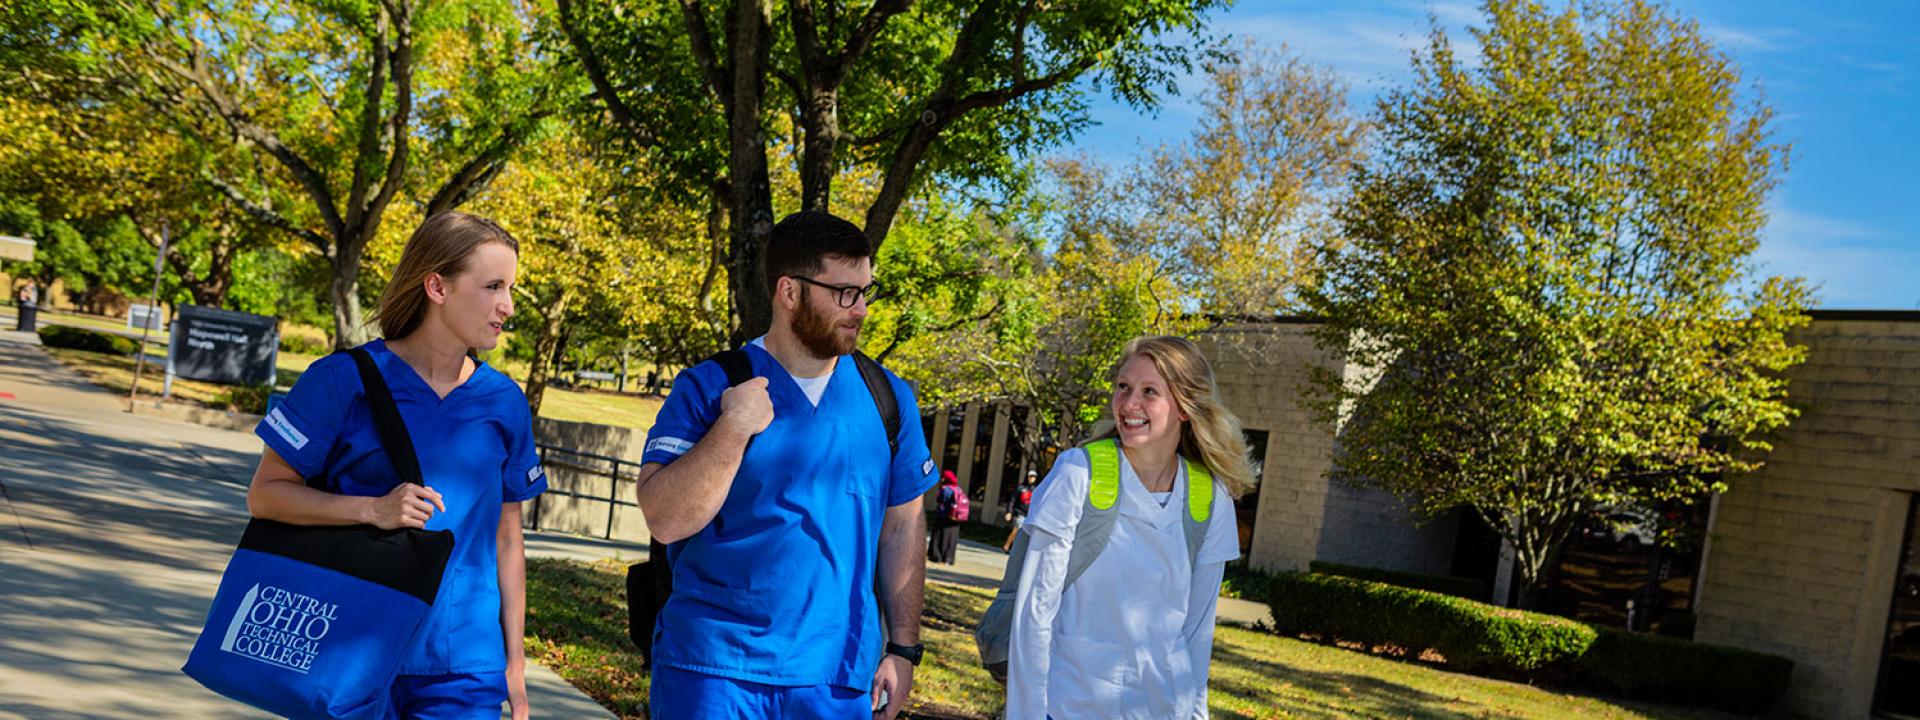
column 473, row 433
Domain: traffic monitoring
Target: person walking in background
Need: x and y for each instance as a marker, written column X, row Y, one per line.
column 781, row 504
column 1017, row 510
column 450, row 295
column 1131, row 636
column 946, row 520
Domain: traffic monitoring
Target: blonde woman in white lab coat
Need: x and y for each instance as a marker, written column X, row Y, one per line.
column 1132, row 636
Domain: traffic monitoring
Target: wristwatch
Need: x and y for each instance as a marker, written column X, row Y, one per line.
column 912, row 653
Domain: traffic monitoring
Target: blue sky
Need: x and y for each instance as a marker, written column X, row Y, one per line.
column 1843, row 79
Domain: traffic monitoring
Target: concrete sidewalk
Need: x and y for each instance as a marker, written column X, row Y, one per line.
column 114, row 533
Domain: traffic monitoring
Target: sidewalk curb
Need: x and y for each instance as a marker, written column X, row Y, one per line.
column 222, row 419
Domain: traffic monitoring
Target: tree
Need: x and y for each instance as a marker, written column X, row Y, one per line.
column 1548, row 287
column 1235, row 209
column 319, row 97
column 597, row 266
column 937, row 90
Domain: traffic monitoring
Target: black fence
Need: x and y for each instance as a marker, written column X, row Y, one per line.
column 587, row 494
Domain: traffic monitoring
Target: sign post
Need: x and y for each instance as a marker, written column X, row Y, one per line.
column 140, row 357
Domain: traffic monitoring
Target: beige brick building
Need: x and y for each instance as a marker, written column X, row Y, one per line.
column 1802, row 558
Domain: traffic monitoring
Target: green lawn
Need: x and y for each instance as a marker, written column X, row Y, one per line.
column 576, row 624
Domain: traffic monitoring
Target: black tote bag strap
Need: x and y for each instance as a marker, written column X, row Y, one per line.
column 387, row 420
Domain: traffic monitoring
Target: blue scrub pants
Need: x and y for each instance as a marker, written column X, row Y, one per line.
column 463, row 696
column 682, row 694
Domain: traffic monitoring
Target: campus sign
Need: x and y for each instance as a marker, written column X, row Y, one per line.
column 223, row 346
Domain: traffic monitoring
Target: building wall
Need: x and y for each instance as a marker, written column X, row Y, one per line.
column 1802, row 554
column 1262, row 370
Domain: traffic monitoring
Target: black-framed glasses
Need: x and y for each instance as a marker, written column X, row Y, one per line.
column 844, row 294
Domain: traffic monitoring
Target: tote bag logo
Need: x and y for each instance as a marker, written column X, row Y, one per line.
column 280, row 628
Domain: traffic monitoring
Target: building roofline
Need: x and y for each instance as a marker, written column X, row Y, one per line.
column 1866, row 315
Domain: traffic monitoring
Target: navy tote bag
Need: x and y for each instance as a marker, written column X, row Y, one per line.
column 311, row 621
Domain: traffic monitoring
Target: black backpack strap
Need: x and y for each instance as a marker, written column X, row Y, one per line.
column 883, row 399
column 738, row 366
column 387, row 420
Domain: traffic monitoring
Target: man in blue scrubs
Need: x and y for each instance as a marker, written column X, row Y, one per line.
column 782, row 504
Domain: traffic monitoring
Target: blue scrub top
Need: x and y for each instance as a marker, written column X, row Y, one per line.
column 476, row 449
column 778, row 588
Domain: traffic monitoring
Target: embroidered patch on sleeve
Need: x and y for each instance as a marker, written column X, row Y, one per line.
column 286, row 430
column 926, row 468
column 534, row 473
column 669, row 445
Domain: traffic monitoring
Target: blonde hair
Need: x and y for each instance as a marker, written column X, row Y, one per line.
column 1211, row 433
column 441, row 245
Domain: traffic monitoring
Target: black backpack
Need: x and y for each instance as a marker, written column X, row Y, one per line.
column 649, row 583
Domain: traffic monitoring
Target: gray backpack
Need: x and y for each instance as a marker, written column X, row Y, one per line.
column 1090, row 536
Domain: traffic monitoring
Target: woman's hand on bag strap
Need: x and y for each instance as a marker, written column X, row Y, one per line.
column 406, row 505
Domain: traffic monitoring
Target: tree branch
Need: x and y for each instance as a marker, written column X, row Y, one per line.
column 268, row 216
column 701, row 40
column 370, row 125
column 591, row 61
column 236, row 119
column 478, row 171
column 402, row 59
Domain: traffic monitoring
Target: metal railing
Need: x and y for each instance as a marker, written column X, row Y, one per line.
column 574, row 481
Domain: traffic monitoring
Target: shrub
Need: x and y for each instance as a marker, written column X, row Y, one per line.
column 1471, row 635
column 1478, row 637
column 1244, row 581
column 62, row 336
column 1468, row 588
column 1664, row 669
column 304, row 344
column 245, row 398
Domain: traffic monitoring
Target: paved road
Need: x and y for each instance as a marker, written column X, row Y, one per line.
column 113, row 535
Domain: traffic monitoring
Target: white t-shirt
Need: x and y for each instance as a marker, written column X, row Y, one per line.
column 814, row 387
column 1133, row 637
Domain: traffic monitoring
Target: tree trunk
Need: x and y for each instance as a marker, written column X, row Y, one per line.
column 345, row 292
column 750, row 35
column 820, row 122
column 546, row 347
column 717, row 236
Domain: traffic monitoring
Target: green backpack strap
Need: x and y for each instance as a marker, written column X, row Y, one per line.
column 1199, row 510
column 1090, row 535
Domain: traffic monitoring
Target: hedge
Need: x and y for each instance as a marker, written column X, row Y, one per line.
column 62, row 336
column 1486, row 639
column 1471, row 635
column 1468, row 588
column 245, row 398
column 1667, row 669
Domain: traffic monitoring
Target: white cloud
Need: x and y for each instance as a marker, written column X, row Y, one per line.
column 1751, row 39
column 1858, row 267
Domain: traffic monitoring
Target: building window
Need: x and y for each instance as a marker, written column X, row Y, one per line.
column 956, row 422
column 1899, row 694
column 1013, row 458
column 982, row 453
column 926, row 426
column 1246, row 508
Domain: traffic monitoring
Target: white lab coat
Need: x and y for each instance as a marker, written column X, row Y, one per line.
column 1134, row 635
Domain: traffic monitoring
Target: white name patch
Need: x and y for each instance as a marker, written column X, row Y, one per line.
column 534, row 473
column 670, row 445
column 286, row 430
column 926, row 468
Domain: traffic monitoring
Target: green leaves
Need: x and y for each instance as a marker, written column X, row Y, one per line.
column 1545, row 262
